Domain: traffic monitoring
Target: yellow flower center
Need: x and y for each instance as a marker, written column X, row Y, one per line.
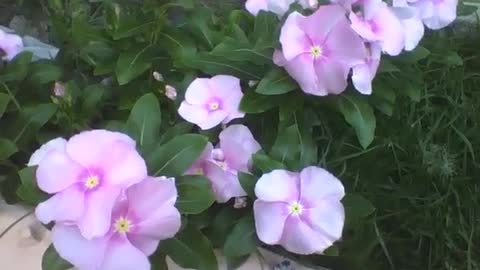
column 316, row 51
column 295, row 209
column 122, row 225
column 92, row 181
column 214, row 106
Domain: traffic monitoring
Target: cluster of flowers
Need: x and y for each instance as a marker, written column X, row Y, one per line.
column 10, row 45
column 108, row 213
column 319, row 50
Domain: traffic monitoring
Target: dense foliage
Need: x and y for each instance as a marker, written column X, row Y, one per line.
column 407, row 154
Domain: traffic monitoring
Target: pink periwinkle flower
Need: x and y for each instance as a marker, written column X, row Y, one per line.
column 411, row 21
column 86, row 176
column 209, row 102
column 378, row 23
column 10, row 45
column 279, row 7
column 222, row 164
column 140, row 220
column 319, row 50
column 300, row 211
column 363, row 74
column 436, row 14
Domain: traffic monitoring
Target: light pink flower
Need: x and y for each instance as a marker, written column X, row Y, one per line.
column 436, row 14
column 144, row 217
column 300, row 211
column 209, row 102
column 377, row 23
column 363, row 74
column 86, row 178
column 10, row 45
column 57, row 144
column 319, row 50
column 411, row 21
column 279, row 7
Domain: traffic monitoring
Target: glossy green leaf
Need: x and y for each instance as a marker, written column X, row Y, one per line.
column 248, row 181
column 276, row 82
column 176, row 156
column 144, row 121
column 358, row 113
column 17, row 69
column 133, row 63
column 7, row 148
column 265, row 163
column 44, row 72
column 172, row 132
column 242, row 240
column 52, row 261
column 28, row 190
column 195, row 194
column 4, row 100
column 256, row 103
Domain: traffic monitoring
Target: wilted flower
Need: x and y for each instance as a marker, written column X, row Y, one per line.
column 209, row 102
column 59, row 89
column 363, row 74
column 279, row 7
column 86, row 177
column 378, row 23
column 10, row 45
column 319, row 50
column 139, row 221
column 300, row 211
column 170, row 92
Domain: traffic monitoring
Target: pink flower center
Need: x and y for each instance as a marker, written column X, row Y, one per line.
column 122, row 225
column 374, row 26
column 92, row 181
column 295, row 209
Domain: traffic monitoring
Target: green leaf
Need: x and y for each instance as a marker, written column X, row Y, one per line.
column 265, row 29
column 191, row 249
column 17, row 69
column 265, row 163
column 7, row 148
column 256, row 103
column 29, row 191
column 200, row 21
column 242, row 240
column 419, row 53
column 52, row 261
column 195, row 194
column 93, row 95
column 356, row 208
column 144, row 121
column 125, row 22
column 236, row 50
column 44, row 72
column 178, row 129
column 276, row 82
column 222, row 223
column 234, row 263
column 358, row 113
column 133, row 63
column 4, row 100
column 177, row 155
column 287, row 147
column 248, row 181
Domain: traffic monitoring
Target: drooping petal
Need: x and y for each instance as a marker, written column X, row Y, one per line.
column 122, row 255
column 362, row 79
column 294, row 41
column 278, row 186
column 57, row 171
column 198, row 92
column 73, row 247
column 124, row 165
column 332, row 76
column 317, row 184
column 320, row 24
column 328, row 219
column 65, row 206
column 98, row 211
column 91, row 148
column 238, row 145
column 149, row 195
column 300, row 238
column 302, row 70
column 54, row 144
column 225, row 183
column 444, row 13
column 270, row 220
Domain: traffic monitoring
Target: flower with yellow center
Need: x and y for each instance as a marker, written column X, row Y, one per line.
column 213, row 106
column 316, row 51
column 92, row 181
column 122, row 225
column 295, row 209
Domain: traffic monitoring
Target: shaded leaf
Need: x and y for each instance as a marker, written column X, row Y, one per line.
column 195, row 194
column 133, row 63
column 52, row 261
column 242, row 240
column 7, row 148
column 248, row 181
column 358, row 113
column 144, row 121
column 276, row 82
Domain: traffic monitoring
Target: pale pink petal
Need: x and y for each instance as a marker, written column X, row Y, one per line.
column 192, row 113
column 225, row 183
column 98, row 212
column 294, row 41
column 445, row 12
column 390, row 30
column 145, row 244
column 163, row 222
column 73, row 247
column 57, row 171
column 425, row 8
column 344, row 45
column 54, row 144
column 65, row 206
column 270, row 220
column 11, row 45
column 198, row 167
column 328, row 219
column 320, row 24
column 317, row 185
column 302, row 70
column 362, row 27
column 279, row 59
column 213, row 119
column 332, row 76
column 228, row 89
column 238, row 145
column 151, row 194
column 92, row 148
column 254, row 6
column 124, row 167
column 278, row 186
column 362, row 79
column 414, row 31
column 122, row 255
column 198, row 92
column 300, row 238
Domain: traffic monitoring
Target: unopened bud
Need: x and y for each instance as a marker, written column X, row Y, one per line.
column 170, row 92
column 252, row 83
column 158, row 76
column 59, row 89
column 240, row 202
